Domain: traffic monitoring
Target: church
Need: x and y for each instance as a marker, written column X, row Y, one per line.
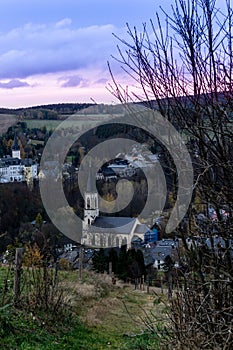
column 107, row 231
column 15, row 169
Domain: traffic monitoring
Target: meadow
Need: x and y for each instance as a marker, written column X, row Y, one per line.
column 97, row 315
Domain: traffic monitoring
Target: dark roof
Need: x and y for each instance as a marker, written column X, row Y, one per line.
column 159, row 253
column 217, row 242
column 27, row 161
column 15, row 146
column 5, row 162
column 9, row 161
column 167, row 243
column 108, row 172
column 110, row 224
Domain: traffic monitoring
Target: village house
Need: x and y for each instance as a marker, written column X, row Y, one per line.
column 15, row 169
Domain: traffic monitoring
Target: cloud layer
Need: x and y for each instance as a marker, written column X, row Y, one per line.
column 41, row 49
column 14, row 83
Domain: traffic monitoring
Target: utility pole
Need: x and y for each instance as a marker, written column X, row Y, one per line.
column 17, row 273
column 80, row 269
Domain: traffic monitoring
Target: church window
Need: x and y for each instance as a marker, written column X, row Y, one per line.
column 124, row 241
column 101, row 241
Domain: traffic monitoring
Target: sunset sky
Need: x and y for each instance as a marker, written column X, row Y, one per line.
column 54, row 51
column 57, row 50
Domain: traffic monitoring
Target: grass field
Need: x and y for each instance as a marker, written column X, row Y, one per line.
column 101, row 316
column 79, row 121
column 6, row 120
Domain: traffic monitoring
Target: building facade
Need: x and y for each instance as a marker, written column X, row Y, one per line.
column 107, row 231
column 15, row 169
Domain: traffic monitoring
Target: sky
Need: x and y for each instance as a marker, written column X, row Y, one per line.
column 55, row 51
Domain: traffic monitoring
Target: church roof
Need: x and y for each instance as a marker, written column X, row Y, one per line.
column 141, row 228
column 109, row 224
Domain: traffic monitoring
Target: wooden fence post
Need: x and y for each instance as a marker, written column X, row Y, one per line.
column 169, row 291
column 161, row 284
column 80, row 267
column 110, row 268
column 17, row 273
column 143, row 278
column 148, row 286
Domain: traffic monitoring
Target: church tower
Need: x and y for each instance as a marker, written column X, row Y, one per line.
column 15, row 148
column 91, row 206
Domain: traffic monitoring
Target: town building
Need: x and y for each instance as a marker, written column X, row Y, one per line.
column 15, row 169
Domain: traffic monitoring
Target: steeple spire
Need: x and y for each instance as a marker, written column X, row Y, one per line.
column 91, row 210
column 90, row 180
column 15, row 148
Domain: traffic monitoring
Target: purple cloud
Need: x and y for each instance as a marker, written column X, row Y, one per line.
column 101, row 81
column 14, row 83
column 53, row 48
column 74, row 81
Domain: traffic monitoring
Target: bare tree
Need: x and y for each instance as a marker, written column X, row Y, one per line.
column 183, row 68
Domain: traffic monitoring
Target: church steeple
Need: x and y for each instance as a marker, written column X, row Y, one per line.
column 15, row 148
column 90, row 181
column 91, row 210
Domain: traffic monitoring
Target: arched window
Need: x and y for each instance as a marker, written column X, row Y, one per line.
column 101, row 241
column 124, row 241
column 95, row 203
column 88, row 203
column 117, row 242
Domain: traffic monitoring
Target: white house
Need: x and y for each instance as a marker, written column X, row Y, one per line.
column 15, row 169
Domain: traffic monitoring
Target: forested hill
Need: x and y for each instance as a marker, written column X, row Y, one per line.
column 51, row 111
column 62, row 110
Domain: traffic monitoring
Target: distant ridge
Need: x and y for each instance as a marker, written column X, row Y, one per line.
column 55, row 106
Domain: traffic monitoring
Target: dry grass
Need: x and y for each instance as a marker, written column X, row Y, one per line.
column 117, row 309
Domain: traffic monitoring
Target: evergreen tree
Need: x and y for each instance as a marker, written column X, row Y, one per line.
column 99, row 261
column 122, row 264
column 113, row 258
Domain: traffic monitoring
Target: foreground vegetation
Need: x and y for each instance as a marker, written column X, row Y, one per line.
column 95, row 315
